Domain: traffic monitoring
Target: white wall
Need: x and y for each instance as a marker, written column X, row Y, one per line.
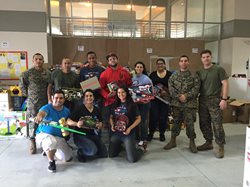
column 23, row 5
column 226, row 55
column 241, row 53
column 26, row 41
column 242, row 9
column 228, row 10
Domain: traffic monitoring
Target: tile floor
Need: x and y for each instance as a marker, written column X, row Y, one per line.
column 174, row 168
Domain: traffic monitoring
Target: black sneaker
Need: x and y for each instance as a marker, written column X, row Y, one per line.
column 150, row 137
column 162, row 137
column 80, row 157
column 52, row 166
column 44, row 153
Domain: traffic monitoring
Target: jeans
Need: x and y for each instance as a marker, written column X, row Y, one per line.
column 90, row 145
column 117, row 139
column 158, row 116
column 142, row 128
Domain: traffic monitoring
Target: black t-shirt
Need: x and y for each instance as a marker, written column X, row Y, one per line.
column 157, row 80
column 120, row 114
column 82, row 111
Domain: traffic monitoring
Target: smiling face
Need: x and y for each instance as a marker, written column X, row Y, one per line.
column 139, row 69
column 121, row 94
column 88, row 98
column 66, row 65
column 113, row 61
column 58, row 100
column 92, row 59
column 160, row 65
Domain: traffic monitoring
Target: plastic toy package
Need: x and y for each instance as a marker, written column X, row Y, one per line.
column 141, row 94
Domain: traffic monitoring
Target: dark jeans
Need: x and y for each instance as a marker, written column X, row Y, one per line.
column 117, row 139
column 142, row 128
column 158, row 116
column 90, row 145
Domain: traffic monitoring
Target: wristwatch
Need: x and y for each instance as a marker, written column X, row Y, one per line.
column 225, row 99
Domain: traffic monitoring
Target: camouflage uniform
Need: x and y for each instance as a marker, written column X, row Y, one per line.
column 34, row 85
column 184, row 82
column 209, row 100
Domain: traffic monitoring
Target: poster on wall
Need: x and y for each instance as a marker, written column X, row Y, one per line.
column 12, row 64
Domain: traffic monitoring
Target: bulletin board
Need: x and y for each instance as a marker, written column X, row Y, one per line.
column 12, row 64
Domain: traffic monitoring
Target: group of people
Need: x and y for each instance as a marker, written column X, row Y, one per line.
column 112, row 107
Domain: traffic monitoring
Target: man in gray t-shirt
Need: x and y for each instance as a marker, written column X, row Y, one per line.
column 64, row 78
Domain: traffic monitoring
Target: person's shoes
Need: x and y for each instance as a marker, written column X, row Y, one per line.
column 32, row 146
column 171, row 144
column 80, row 157
column 219, row 153
column 150, row 137
column 143, row 145
column 192, row 146
column 52, row 166
column 206, row 146
column 162, row 137
column 44, row 153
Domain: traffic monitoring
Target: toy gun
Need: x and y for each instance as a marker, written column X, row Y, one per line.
column 72, row 93
column 57, row 125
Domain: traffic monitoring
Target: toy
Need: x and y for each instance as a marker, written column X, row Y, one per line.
column 141, row 94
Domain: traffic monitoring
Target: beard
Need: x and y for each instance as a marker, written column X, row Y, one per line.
column 114, row 65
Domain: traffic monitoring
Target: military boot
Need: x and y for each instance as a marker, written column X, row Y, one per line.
column 219, row 151
column 206, row 146
column 192, row 146
column 171, row 144
column 32, row 146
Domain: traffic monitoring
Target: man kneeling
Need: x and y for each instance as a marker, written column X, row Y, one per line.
column 50, row 138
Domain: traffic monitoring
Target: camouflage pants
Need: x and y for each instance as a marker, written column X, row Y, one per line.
column 211, row 117
column 186, row 115
column 31, row 126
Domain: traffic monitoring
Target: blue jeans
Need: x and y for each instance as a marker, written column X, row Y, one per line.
column 90, row 145
column 142, row 128
column 117, row 139
column 158, row 116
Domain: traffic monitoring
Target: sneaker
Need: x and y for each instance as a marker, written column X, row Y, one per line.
column 140, row 143
column 162, row 137
column 44, row 153
column 32, row 146
column 52, row 166
column 150, row 137
column 80, row 157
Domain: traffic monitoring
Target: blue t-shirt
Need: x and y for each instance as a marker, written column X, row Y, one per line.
column 141, row 80
column 88, row 72
column 52, row 115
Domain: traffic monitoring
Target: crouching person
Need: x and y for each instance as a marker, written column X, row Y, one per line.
column 123, row 120
column 50, row 138
column 87, row 118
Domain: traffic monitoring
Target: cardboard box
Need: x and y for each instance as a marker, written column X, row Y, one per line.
column 242, row 110
column 5, row 102
column 246, row 179
column 91, row 83
column 229, row 114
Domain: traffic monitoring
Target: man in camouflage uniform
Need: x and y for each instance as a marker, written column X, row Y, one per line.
column 34, row 83
column 212, row 100
column 184, row 88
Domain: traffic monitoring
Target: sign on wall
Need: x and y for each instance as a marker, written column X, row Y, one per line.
column 12, row 64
